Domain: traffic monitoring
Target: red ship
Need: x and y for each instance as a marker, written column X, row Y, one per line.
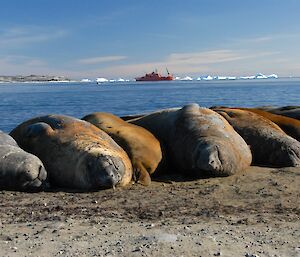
column 154, row 76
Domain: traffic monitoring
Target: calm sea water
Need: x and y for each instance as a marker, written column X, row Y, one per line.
column 20, row 102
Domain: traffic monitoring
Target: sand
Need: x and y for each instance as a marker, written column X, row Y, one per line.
column 253, row 213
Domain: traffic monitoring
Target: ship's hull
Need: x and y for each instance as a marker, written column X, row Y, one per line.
column 168, row 78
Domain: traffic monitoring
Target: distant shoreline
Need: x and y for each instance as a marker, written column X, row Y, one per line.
column 33, row 79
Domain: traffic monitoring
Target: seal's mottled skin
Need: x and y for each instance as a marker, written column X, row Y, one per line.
column 19, row 170
column 198, row 141
column 269, row 144
column 289, row 125
column 141, row 146
column 76, row 154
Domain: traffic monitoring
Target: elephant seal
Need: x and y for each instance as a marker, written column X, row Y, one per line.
column 141, row 146
column 289, row 125
column 288, row 111
column 76, row 154
column 198, row 141
column 19, row 170
column 269, row 144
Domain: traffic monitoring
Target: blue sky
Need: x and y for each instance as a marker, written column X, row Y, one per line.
column 106, row 38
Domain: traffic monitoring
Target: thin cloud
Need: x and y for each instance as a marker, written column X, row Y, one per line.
column 186, row 63
column 261, row 39
column 22, row 65
column 19, row 36
column 102, row 59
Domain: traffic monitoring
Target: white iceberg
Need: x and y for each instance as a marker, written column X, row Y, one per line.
column 121, row 80
column 231, row 78
column 272, row 76
column 220, row 78
column 207, row 77
column 101, row 80
column 260, row 76
column 187, row 78
column 199, row 78
column 247, row 77
column 177, row 78
column 85, row 80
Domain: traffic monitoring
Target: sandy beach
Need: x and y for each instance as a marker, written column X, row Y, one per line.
column 253, row 213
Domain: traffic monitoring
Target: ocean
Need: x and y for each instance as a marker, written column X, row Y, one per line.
column 22, row 101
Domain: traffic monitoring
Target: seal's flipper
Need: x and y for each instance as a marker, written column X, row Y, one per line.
column 141, row 175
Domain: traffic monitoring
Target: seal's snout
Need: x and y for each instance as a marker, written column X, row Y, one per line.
column 208, row 158
column 106, row 171
column 34, row 174
column 214, row 161
column 112, row 178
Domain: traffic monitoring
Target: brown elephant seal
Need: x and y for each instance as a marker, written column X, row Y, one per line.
column 19, row 170
column 198, row 141
column 141, row 146
column 75, row 153
column 289, row 125
column 269, row 144
column 288, row 111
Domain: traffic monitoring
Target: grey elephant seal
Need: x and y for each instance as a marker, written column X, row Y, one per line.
column 76, row 154
column 289, row 125
column 141, row 146
column 198, row 141
column 269, row 144
column 19, row 170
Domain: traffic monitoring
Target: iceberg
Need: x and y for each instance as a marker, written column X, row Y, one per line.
column 207, row 78
column 272, row 76
column 101, row 80
column 187, row 78
column 85, row 80
column 231, row 78
column 260, row 76
column 199, row 78
column 121, row 80
column 177, row 78
column 220, row 78
column 247, row 77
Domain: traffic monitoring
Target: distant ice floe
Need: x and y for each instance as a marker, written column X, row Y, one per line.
column 257, row 76
column 101, row 80
column 220, row 78
column 247, row 77
column 187, row 78
column 260, row 76
column 272, row 76
column 85, row 80
column 208, row 77
column 105, row 80
column 231, row 78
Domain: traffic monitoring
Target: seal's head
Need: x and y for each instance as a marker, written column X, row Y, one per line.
column 32, row 174
column 103, row 171
column 212, row 158
column 21, row 170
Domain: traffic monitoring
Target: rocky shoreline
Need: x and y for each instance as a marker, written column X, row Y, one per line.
column 33, row 78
